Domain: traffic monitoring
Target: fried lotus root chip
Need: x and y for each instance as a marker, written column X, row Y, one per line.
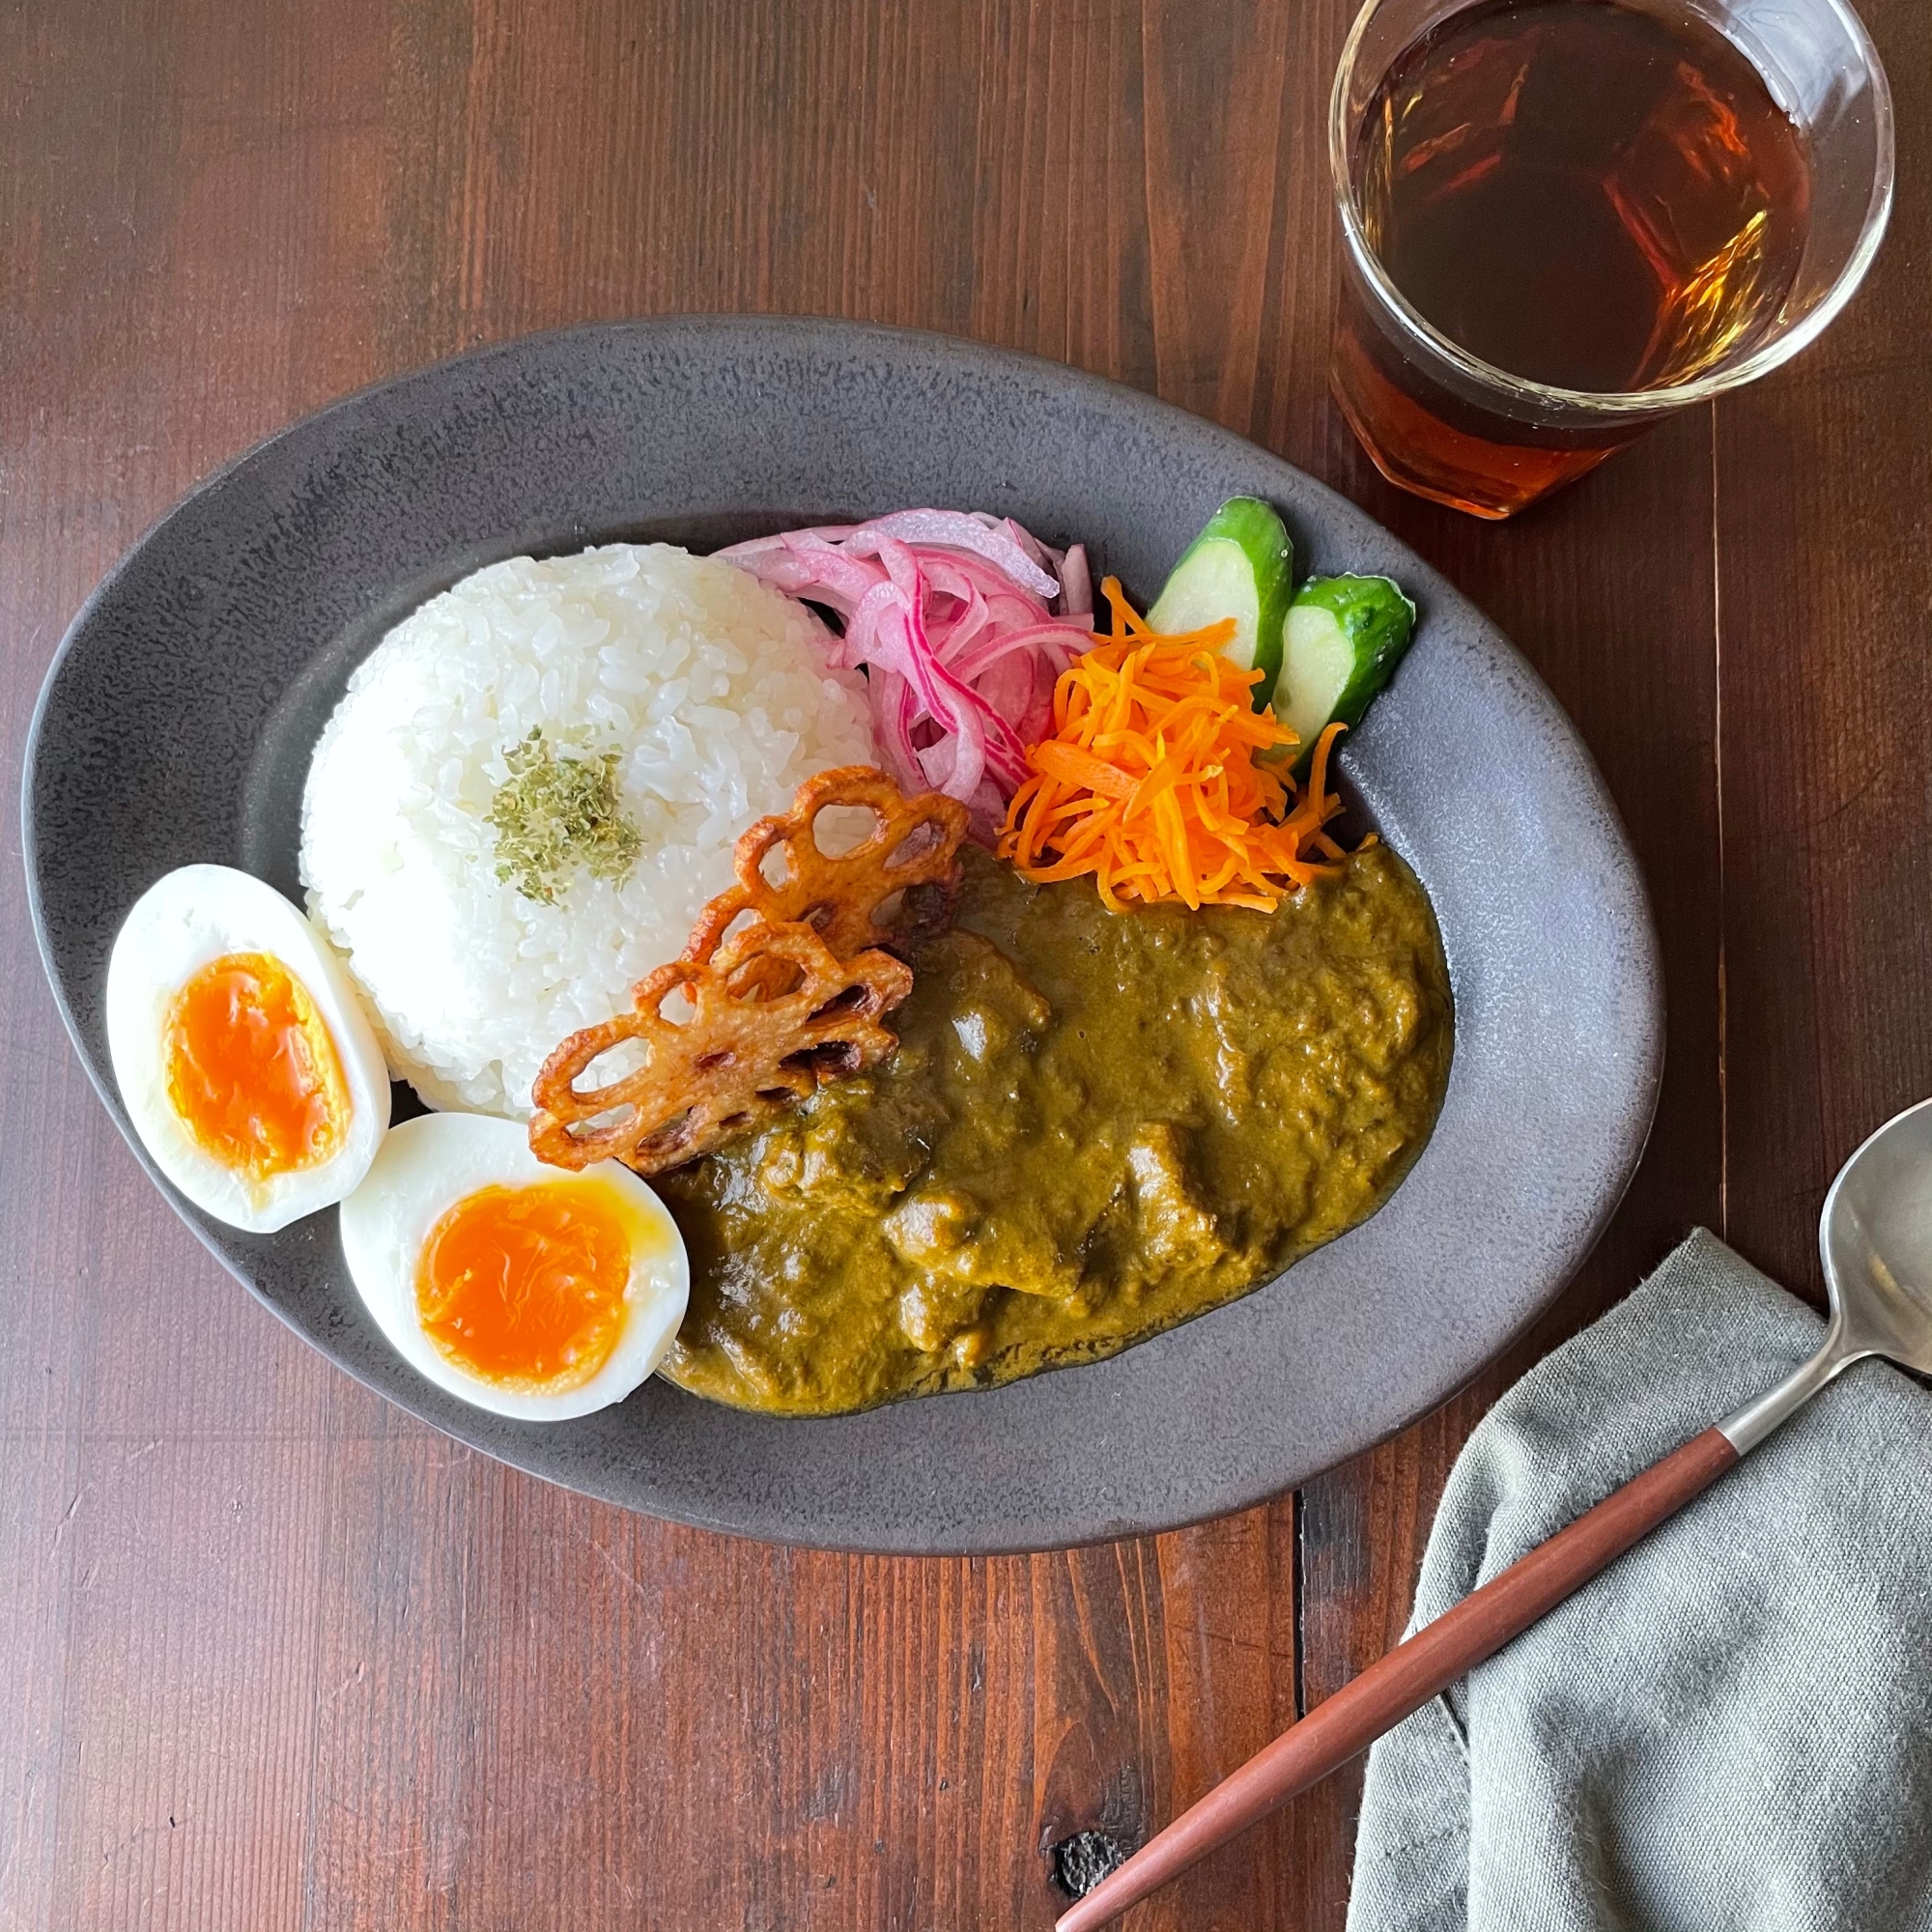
column 912, row 853
column 773, row 1016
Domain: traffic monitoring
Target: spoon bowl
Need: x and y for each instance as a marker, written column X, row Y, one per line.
column 1875, row 1237
column 1875, row 1240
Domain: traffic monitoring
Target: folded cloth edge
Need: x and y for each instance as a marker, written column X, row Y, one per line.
column 1704, row 1333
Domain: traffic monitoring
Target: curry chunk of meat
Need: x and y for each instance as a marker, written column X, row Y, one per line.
column 1095, row 1127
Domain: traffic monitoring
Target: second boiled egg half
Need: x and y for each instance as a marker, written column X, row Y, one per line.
column 526, row 1290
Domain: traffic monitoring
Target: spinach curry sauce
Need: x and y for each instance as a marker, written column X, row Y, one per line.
column 1097, row 1125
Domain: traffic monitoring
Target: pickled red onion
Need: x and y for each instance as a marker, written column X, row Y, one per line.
column 949, row 612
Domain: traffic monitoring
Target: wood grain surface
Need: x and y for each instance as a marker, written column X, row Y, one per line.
column 274, row 1655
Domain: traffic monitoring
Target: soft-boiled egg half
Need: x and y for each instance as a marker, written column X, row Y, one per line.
column 524, row 1289
column 243, row 1058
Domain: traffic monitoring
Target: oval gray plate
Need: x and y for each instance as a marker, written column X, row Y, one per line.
column 176, row 725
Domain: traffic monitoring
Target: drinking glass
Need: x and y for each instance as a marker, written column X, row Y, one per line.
column 1440, row 421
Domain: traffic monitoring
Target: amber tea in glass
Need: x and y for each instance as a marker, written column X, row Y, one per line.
column 1566, row 217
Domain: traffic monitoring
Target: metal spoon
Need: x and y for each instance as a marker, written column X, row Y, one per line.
column 1875, row 1235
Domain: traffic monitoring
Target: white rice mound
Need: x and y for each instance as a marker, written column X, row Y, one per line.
column 716, row 690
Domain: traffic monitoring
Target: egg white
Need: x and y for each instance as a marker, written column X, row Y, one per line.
column 186, row 920
column 425, row 1167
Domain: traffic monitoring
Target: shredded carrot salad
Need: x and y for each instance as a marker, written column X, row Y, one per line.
column 1150, row 780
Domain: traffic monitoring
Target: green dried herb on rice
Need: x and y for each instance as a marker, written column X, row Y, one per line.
column 554, row 813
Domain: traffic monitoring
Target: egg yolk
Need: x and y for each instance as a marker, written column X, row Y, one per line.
column 251, row 1069
column 524, row 1287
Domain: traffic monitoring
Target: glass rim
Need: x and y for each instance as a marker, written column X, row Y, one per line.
column 1771, row 355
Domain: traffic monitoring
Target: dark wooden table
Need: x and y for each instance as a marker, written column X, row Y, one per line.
column 274, row 1655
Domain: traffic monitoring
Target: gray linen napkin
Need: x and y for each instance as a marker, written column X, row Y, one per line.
column 1732, row 1727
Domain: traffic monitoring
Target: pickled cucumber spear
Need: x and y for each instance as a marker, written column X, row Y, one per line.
column 1240, row 566
column 1342, row 639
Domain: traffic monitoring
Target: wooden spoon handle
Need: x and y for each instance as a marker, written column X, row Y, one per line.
column 1414, row 1672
